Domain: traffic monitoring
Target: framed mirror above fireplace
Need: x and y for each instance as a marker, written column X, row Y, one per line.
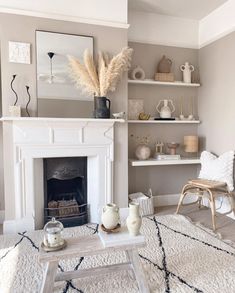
column 56, row 92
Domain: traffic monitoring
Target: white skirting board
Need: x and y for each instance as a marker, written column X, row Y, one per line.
column 170, row 199
column 222, row 205
column 2, row 216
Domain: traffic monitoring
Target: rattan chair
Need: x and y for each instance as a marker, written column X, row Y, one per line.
column 206, row 189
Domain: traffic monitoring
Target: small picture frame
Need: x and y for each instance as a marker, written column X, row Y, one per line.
column 19, row 52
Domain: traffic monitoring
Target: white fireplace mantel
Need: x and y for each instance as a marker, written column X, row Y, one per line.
column 32, row 139
column 50, row 119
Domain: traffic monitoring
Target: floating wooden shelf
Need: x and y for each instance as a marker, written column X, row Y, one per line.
column 165, row 121
column 164, row 83
column 154, row 162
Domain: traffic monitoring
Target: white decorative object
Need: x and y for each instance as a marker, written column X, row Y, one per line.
column 53, row 234
column 119, row 115
column 143, row 152
column 15, row 111
column 145, row 201
column 187, row 70
column 135, row 107
column 121, row 238
column 134, row 220
column 110, row 216
column 19, row 52
column 165, row 111
column 159, row 147
column 138, row 73
column 218, row 168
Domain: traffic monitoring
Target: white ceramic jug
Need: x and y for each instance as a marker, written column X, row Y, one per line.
column 187, row 72
column 165, row 111
column 110, row 216
column 134, row 220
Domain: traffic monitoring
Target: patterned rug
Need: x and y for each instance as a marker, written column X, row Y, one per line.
column 179, row 257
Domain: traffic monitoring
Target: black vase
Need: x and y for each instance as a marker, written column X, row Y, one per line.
column 102, row 107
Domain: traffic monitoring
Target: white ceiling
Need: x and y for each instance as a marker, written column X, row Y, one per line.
column 192, row 9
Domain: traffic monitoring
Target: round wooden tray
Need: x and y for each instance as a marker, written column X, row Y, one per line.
column 114, row 230
column 55, row 248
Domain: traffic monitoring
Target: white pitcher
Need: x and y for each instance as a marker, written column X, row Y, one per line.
column 187, row 72
column 165, row 111
column 134, row 220
column 110, row 216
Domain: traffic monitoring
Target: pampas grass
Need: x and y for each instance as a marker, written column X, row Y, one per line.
column 99, row 79
column 80, row 75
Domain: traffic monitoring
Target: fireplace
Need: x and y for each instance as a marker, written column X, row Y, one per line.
column 36, row 140
column 65, row 190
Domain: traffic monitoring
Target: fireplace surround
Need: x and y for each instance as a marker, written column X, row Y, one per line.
column 33, row 139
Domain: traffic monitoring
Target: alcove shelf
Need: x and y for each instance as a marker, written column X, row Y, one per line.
column 154, row 162
column 164, row 121
column 163, row 83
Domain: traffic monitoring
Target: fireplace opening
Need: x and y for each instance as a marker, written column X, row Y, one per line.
column 65, row 190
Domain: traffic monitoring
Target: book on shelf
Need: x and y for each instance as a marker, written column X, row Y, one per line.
column 162, row 157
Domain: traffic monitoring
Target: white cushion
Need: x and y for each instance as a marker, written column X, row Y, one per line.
column 217, row 168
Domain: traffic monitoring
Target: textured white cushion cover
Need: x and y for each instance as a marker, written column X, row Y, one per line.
column 217, row 168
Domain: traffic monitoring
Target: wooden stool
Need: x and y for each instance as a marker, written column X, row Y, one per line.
column 206, row 189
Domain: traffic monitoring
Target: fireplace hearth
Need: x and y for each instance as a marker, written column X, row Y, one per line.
column 65, row 190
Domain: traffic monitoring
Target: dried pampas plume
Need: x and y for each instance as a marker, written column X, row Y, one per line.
column 117, row 66
column 104, row 77
column 80, row 75
column 91, row 68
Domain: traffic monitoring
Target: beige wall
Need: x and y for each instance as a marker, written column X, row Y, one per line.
column 65, row 108
column 163, row 179
column 217, row 95
column 22, row 28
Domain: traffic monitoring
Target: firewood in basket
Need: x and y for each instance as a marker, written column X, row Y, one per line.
column 52, row 204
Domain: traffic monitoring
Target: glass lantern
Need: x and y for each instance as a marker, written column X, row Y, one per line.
column 53, row 233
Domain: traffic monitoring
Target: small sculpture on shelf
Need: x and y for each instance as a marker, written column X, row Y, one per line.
column 119, row 115
column 144, row 116
column 159, row 147
column 190, row 117
column 172, row 146
column 165, row 111
column 181, row 117
column 137, row 73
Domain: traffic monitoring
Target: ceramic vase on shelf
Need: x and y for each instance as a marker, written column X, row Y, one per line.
column 134, row 220
column 187, row 70
column 164, row 65
column 138, row 73
column 143, row 152
column 102, row 107
column 165, row 111
column 110, row 216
